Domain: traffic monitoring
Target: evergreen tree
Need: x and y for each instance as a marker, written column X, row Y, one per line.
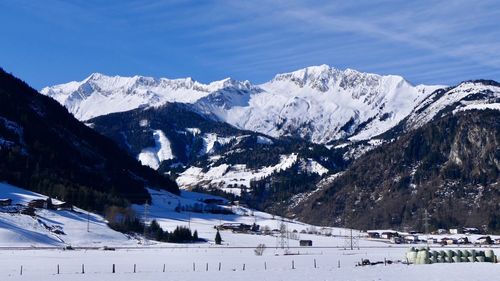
column 218, row 239
column 195, row 235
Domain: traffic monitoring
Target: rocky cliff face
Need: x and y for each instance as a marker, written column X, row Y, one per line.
column 449, row 167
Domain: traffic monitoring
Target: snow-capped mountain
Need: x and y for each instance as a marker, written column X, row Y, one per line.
column 469, row 95
column 318, row 103
column 322, row 104
column 99, row 94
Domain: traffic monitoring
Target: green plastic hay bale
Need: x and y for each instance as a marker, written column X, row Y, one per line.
column 433, row 259
column 471, row 259
column 456, row 259
column 466, row 253
column 480, row 259
column 473, row 254
column 464, row 259
column 450, row 253
column 459, row 253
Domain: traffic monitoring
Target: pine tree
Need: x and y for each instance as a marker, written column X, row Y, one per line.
column 195, row 235
column 218, row 239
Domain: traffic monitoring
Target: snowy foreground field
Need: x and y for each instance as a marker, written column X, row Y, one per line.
column 236, row 264
column 31, row 250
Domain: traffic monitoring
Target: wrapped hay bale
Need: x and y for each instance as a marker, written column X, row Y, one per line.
column 480, row 259
column 411, row 256
column 433, row 259
column 489, row 256
column 423, row 257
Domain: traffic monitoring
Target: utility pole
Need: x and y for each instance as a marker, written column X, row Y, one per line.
column 189, row 221
column 282, row 239
column 145, row 221
column 351, row 240
column 426, row 224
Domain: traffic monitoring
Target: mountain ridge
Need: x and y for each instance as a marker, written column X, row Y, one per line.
column 319, row 103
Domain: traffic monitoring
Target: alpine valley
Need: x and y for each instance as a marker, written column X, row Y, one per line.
column 328, row 146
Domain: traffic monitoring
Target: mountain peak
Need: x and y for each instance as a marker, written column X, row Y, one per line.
column 95, row 76
column 324, row 77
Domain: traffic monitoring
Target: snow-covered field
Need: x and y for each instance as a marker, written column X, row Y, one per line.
column 235, row 264
column 200, row 261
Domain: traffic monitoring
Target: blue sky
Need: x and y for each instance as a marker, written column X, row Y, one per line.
column 433, row 42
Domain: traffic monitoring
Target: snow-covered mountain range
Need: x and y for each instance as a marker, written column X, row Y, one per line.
column 269, row 141
column 318, row 103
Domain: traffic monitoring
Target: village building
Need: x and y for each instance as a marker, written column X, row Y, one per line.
column 305, row 243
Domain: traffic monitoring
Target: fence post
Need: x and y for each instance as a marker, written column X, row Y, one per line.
column 21, row 272
column 293, row 264
column 314, row 263
column 265, row 265
column 194, row 266
column 134, row 267
column 83, row 268
column 58, row 269
column 163, row 267
column 339, row 264
column 243, row 267
column 207, row 267
column 219, row 265
column 113, row 269
column 385, row 261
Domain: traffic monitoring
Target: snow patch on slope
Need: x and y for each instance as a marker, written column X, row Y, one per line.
column 231, row 178
column 311, row 166
column 211, row 139
column 153, row 156
column 264, row 140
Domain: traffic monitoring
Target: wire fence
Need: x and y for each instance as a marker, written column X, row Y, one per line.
column 81, row 269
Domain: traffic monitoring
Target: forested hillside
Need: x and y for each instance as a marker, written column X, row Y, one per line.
column 45, row 149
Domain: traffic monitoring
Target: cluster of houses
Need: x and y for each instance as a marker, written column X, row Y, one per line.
column 454, row 238
column 29, row 209
column 239, row 227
